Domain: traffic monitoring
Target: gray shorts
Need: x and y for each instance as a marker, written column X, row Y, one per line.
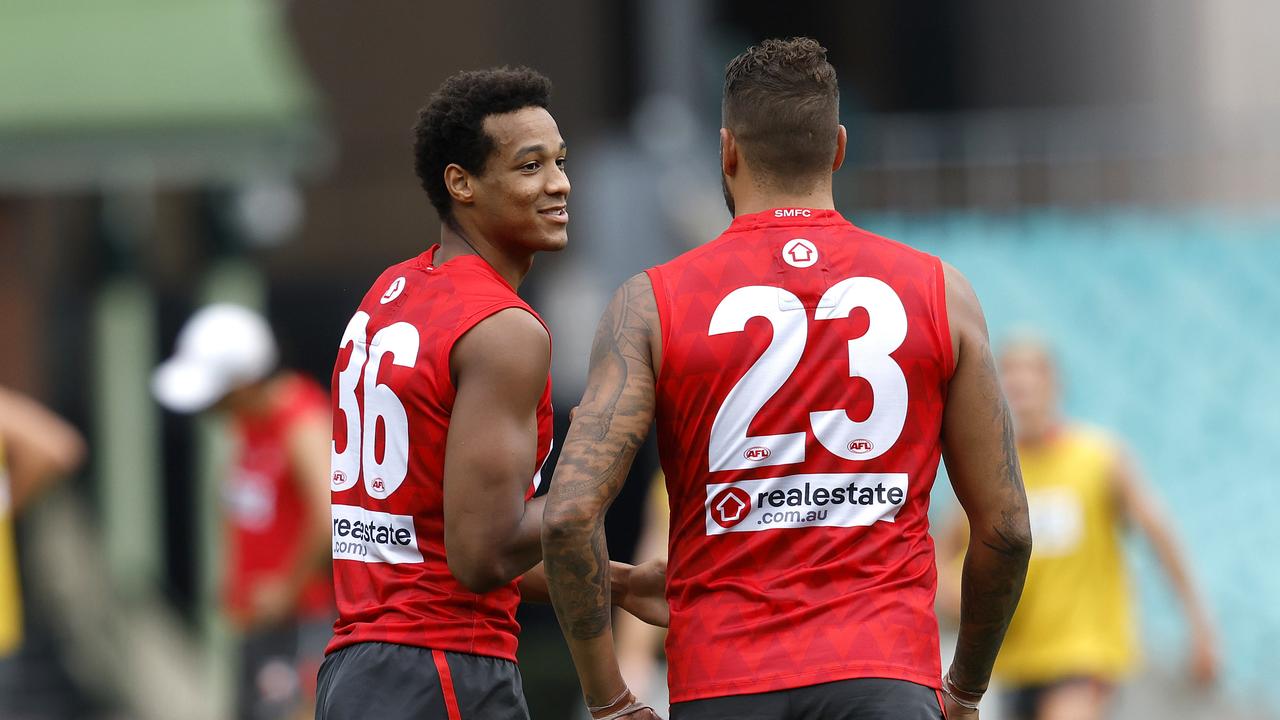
column 401, row 682
column 858, row 699
column 278, row 669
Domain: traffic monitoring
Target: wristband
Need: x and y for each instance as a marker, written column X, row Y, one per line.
column 593, row 709
column 634, row 707
column 966, row 700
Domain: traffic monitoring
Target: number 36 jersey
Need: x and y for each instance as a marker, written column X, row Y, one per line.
column 804, row 367
column 392, row 400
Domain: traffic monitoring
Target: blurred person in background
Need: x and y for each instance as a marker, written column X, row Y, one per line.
column 277, row 590
column 442, row 422
column 36, row 449
column 801, row 581
column 640, row 644
column 1074, row 635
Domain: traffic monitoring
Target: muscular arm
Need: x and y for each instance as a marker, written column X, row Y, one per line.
column 982, row 462
column 611, row 423
column 1140, row 506
column 491, row 534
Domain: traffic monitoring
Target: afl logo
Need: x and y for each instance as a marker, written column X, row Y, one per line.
column 860, row 446
column 339, row 477
column 799, row 253
column 757, row 453
column 393, row 292
column 379, row 485
column 730, row 507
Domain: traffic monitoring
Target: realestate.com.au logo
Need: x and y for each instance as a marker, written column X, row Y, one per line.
column 370, row 536
column 798, row 501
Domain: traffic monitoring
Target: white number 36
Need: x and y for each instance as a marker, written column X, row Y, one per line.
column 381, row 476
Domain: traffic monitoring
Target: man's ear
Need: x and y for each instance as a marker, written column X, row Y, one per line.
column 458, row 182
column 728, row 153
column 842, row 143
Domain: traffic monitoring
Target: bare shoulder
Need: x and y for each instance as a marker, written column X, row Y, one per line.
column 631, row 322
column 511, row 343
column 962, row 301
column 964, row 312
column 636, row 294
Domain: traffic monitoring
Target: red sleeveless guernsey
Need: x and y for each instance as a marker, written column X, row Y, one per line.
column 392, row 400
column 266, row 514
column 804, row 367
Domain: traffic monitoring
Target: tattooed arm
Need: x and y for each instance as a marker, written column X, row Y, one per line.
column 982, row 461
column 611, row 423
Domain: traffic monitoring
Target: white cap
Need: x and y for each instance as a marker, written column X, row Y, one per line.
column 222, row 347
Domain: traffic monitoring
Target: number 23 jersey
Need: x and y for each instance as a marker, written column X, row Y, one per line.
column 804, row 367
column 393, row 397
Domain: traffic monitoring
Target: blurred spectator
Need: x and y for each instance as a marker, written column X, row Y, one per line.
column 36, row 448
column 277, row 591
column 1074, row 636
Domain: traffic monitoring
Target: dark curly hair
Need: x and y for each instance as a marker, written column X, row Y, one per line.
column 450, row 127
column 782, row 103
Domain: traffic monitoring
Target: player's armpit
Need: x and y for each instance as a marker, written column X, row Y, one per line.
column 982, row 462
column 610, row 424
column 500, row 373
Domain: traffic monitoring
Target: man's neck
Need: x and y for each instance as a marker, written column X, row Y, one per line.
column 755, row 199
column 465, row 240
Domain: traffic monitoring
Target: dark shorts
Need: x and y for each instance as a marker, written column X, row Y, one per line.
column 1023, row 702
column 401, row 682
column 278, row 669
column 859, row 699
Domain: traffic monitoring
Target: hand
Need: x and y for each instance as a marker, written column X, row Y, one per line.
column 956, row 711
column 1204, row 658
column 646, row 593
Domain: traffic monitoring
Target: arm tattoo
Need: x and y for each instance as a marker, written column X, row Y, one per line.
column 611, row 423
column 993, row 581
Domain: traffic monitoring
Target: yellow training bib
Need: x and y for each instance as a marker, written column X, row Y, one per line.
column 1075, row 617
column 10, row 596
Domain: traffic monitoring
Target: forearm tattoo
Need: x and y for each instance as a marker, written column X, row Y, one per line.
column 993, row 581
column 610, row 424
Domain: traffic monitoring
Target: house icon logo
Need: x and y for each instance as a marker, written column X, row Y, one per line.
column 730, row 507
column 799, row 253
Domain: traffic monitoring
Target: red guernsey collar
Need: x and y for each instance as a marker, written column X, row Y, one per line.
column 784, row 216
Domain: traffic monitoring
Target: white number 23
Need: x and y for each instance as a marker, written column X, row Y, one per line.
column 732, row 448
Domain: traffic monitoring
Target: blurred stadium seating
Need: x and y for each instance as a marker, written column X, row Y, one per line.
column 1164, row 325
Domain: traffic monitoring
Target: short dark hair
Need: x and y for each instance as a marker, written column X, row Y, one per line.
column 782, row 103
column 450, row 127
